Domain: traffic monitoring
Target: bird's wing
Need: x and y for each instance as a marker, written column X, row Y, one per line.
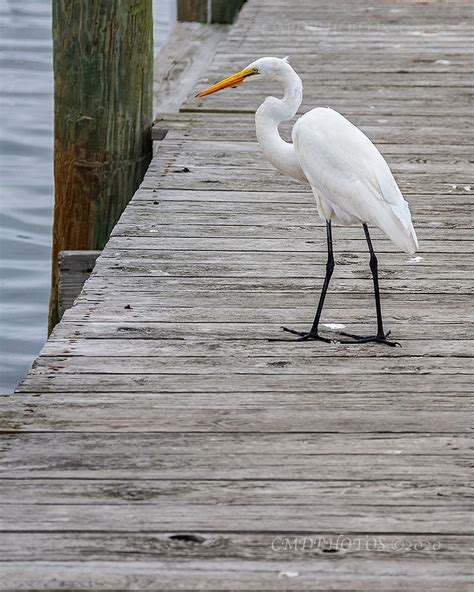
column 349, row 175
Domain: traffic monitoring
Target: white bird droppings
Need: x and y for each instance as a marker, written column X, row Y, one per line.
column 313, row 28
column 288, row 574
column 467, row 188
column 443, row 62
column 415, row 260
column 334, row 326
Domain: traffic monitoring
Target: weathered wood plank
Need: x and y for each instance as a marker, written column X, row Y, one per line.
column 279, row 287
column 40, row 448
column 358, row 97
column 111, row 348
column 339, row 309
column 309, row 491
column 269, row 180
column 227, row 152
column 425, row 224
column 448, row 519
column 189, row 383
column 384, row 575
column 148, row 547
column 223, row 201
column 276, row 271
column 432, row 239
column 391, row 131
column 285, row 243
column 302, row 365
column 422, row 213
column 433, row 329
column 182, row 59
column 350, row 109
column 208, row 411
column 395, row 132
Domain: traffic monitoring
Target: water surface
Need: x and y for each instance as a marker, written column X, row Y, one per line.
column 26, row 177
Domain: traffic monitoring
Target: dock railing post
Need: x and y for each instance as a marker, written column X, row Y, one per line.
column 103, row 93
column 209, row 11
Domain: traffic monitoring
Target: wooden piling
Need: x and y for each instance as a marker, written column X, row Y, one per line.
column 225, row 11
column 203, row 11
column 192, row 10
column 103, row 73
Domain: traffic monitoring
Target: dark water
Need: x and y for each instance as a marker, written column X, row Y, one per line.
column 26, row 177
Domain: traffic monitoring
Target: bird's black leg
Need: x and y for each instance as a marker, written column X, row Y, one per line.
column 313, row 333
column 381, row 336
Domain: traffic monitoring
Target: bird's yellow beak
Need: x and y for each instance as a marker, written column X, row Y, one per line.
column 233, row 80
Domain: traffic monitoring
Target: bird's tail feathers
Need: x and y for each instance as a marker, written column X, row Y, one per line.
column 403, row 214
column 399, row 228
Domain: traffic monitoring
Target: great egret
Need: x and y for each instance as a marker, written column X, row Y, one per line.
column 349, row 177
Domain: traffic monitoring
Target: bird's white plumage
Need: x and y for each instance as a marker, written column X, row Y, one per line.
column 350, row 179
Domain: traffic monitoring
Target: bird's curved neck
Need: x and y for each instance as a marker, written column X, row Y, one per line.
column 268, row 117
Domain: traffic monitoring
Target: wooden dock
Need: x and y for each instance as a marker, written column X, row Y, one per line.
column 161, row 441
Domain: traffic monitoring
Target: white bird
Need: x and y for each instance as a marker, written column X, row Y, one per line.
column 350, row 180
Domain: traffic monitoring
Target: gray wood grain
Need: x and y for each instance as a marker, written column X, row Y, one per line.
column 438, row 332
column 263, row 410
column 301, row 518
column 181, row 61
column 222, row 545
column 241, row 574
column 301, row 364
column 112, row 348
column 427, row 492
column 74, row 267
column 184, row 383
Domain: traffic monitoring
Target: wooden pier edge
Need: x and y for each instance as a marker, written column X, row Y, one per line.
column 162, row 441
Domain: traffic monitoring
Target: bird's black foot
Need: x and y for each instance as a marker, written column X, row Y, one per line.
column 305, row 336
column 379, row 338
